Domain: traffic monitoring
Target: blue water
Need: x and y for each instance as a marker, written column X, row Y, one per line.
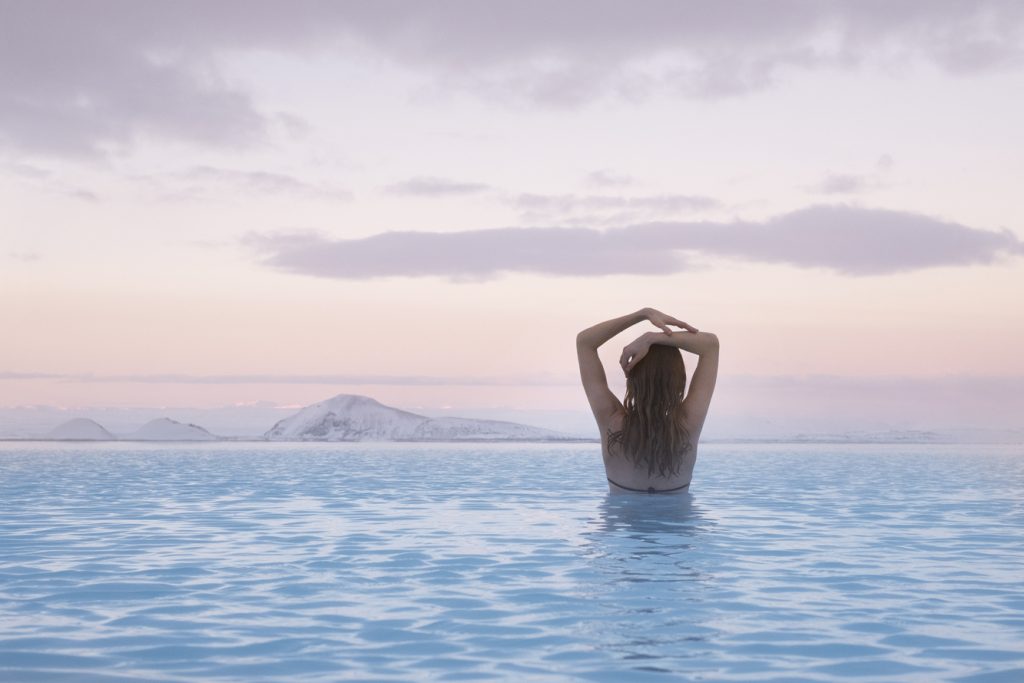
column 253, row 562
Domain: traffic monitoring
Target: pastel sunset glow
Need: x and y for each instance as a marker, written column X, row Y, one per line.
column 214, row 205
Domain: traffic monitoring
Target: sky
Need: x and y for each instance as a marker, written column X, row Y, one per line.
column 231, row 209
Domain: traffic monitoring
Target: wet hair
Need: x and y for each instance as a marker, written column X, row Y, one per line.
column 652, row 431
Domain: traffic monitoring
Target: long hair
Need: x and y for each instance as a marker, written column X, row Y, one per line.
column 652, row 431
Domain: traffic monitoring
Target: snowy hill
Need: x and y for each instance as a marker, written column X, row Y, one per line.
column 459, row 428
column 166, row 429
column 348, row 417
column 80, row 429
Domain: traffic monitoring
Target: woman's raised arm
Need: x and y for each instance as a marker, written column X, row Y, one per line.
column 598, row 334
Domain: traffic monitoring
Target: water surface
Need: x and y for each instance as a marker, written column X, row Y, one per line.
column 399, row 562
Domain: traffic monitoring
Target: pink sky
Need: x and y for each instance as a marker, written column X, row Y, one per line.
column 214, row 204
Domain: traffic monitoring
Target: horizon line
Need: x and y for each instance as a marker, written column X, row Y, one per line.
column 441, row 380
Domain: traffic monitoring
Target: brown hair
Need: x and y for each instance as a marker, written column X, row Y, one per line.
column 652, row 431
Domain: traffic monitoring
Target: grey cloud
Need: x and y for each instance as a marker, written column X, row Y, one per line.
column 433, row 187
column 845, row 239
column 845, row 183
column 534, row 207
column 575, row 51
column 28, row 171
column 566, row 208
column 469, row 255
column 84, row 79
column 87, row 78
column 606, row 178
column 46, row 182
column 568, row 203
column 605, row 210
column 84, row 195
column 202, row 182
column 263, row 182
column 24, row 256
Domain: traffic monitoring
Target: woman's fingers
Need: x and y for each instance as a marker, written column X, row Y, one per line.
column 628, row 359
column 686, row 326
column 632, row 356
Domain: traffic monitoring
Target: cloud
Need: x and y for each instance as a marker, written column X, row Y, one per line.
column 845, row 183
column 470, row 255
column 24, row 256
column 568, row 203
column 203, row 182
column 844, row 239
column 580, row 50
column 604, row 178
column 435, row 187
column 84, row 195
column 28, row 171
column 45, row 181
column 87, row 78
column 334, row 379
column 565, row 208
column 84, row 79
column 853, row 183
column 605, row 210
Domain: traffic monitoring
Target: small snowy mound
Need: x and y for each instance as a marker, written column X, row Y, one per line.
column 80, row 429
column 166, row 429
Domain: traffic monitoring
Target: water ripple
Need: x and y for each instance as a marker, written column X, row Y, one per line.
column 242, row 562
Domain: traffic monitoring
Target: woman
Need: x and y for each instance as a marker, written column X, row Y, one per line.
column 649, row 440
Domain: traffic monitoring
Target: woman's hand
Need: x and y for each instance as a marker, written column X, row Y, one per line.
column 636, row 350
column 659, row 319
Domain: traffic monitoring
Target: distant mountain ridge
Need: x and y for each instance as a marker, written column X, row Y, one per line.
column 166, row 429
column 350, row 417
column 80, row 429
column 160, row 429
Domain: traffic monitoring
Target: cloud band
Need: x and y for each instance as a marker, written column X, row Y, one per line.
column 845, row 239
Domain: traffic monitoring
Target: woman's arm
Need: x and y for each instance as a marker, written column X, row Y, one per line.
column 603, row 402
column 699, row 343
column 598, row 334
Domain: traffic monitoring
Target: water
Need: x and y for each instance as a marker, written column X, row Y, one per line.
column 243, row 562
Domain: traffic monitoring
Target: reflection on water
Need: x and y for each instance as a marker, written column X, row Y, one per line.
column 649, row 554
column 647, row 525
column 648, row 515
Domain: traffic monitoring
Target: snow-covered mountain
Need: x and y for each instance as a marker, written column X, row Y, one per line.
column 349, row 417
column 80, row 429
column 166, row 429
